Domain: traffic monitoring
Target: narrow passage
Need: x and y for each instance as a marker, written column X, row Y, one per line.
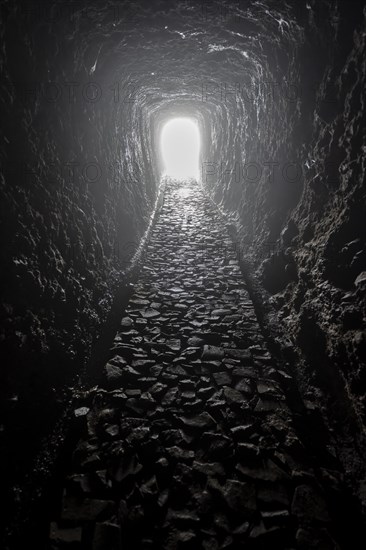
column 189, row 441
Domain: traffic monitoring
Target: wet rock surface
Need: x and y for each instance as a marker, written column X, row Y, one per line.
column 188, row 441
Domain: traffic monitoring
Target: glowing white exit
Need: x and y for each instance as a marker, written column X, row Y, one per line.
column 180, row 147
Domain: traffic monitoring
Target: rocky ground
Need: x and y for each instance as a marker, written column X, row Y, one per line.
column 191, row 439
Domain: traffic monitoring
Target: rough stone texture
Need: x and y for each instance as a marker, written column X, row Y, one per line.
column 323, row 299
column 302, row 225
column 74, row 204
column 183, row 469
column 270, row 84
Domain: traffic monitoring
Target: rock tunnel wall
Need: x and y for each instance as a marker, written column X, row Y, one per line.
column 295, row 171
column 79, row 185
column 291, row 176
column 277, row 89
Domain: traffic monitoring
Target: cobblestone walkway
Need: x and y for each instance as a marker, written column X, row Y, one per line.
column 188, row 441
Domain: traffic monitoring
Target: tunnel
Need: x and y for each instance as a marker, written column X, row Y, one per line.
column 183, row 274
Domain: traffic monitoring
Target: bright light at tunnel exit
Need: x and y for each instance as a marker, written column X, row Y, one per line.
column 180, row 147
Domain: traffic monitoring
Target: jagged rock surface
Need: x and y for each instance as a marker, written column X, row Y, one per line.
column 189, row 441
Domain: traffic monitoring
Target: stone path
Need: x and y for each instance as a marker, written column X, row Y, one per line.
column 188, row 442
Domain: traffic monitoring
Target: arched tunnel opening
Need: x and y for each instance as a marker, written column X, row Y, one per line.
column 183, row 274
column 180, row 148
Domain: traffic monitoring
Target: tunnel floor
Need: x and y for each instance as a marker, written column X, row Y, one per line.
column 190, row 441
